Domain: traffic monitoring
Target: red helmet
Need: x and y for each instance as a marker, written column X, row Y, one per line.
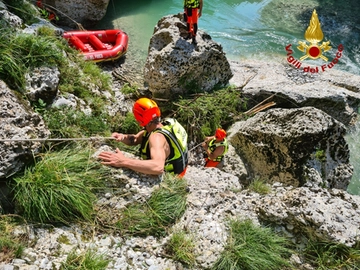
column 220, row 134
column 145, row 110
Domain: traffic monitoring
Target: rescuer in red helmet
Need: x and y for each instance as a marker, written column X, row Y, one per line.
column 163, row 143
column 216, row 147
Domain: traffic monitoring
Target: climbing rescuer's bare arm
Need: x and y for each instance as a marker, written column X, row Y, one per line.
column 159, row 150
column 129, row 139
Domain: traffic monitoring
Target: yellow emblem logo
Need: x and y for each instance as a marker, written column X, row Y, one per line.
column 314, row 35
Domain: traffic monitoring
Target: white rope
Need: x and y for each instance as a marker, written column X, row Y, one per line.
column 196, row 146
column 69, row 139
column 57, row 139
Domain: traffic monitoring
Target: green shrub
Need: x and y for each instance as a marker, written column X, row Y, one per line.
column 130, row 90
column 203, row 114
column 20, row 53
column 128, row 125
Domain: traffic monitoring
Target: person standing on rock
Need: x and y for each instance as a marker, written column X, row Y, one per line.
column 216, row 147
column 192, row 12
column 163, row 143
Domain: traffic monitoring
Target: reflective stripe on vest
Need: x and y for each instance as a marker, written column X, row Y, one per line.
column 191, row 3
column 213, row 145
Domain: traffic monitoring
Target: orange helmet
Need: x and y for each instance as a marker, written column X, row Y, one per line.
column 145, row 110
column 220, row 134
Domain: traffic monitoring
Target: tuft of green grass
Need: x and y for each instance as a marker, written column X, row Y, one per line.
column 181, row 247
column 88, row 260
column 21, row 52
column 59, row 187
column 10, row 246
column 326, row 255
column 165, row 206
column 259, row 186
column 250, row 247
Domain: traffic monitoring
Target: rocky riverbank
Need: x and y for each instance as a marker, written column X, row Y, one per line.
column 315, row 203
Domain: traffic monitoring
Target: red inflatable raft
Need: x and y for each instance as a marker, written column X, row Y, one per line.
column 101, row 45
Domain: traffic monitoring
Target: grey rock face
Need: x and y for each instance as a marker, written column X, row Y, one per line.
column 176, row 65
column 283, row 145
column 18, row 121
column 335, row 92
column 8, row 19
column 318, row 213
column 74, row 12
column 42, row 83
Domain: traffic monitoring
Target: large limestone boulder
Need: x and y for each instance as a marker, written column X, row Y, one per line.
column 297, row 147
column 175, row 65
column 18, row 122
column 329, row 215
column 335, row 92
column 74, row 12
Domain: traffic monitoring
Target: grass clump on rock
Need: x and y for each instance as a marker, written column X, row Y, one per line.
column 165, row 206
column 250, row 247
column 181, row 247
column 327, row 255
column 259, row 186
column 88, row 260
column 11, row 245
column 59, row 188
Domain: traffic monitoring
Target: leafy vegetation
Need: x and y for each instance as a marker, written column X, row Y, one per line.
column 251, row 247
column 320, row 155
column 88, row 260
column 202, row 115
column 166, row 204
column 59, row 187
column 127, row 124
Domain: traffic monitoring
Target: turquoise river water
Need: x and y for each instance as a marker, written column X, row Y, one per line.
column 254, row 29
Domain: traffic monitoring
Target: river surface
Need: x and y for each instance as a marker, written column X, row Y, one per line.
column 254, row 30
